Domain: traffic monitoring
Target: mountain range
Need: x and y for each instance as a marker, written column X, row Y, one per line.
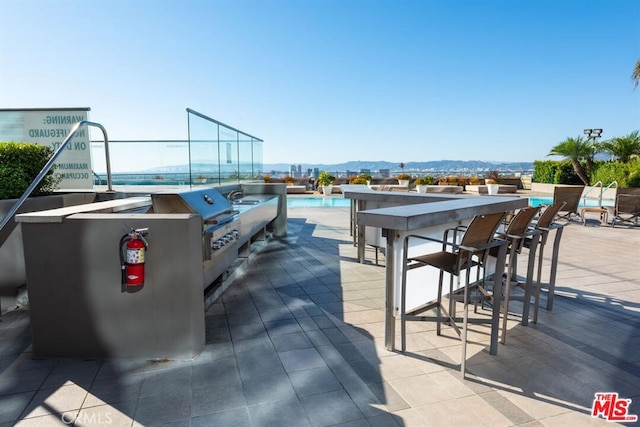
column 438, row 165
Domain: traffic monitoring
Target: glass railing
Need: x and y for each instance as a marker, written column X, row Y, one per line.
column 215, row 154
column 221, row 152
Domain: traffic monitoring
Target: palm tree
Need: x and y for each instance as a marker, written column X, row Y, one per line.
column 576, row 150
column 635, row 75
column 623, row 147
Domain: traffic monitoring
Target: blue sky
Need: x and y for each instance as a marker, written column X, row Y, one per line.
column 328, row 81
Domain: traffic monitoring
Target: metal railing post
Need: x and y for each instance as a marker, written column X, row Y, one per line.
column 50, row 163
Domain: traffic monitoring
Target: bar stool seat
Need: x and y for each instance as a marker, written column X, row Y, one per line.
column 515, row 233
column 546, row 224
column 456, row 258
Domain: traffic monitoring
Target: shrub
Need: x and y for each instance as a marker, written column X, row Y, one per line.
column 426, row 180
column 266, row 177
column 543, row 171
column 555, row 172
column 565, row 174
column 20, row 163
column 325, row 178
column 634, row 177
column 403, row 176
column 625, row 174
column 493, row 177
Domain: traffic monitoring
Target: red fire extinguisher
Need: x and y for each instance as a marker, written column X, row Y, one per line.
column 132, row 254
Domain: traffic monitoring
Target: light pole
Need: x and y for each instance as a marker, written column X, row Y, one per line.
column 593, row 133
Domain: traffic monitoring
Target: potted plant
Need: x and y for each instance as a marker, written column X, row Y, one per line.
column 200, row 179
column 492, row 183
column 421, row 183
column 403, row 179
column 266, row 177
column 366, row 177
column 288, row 179
column 325, row 181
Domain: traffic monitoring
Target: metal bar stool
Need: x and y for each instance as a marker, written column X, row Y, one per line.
column 516, row 232
column 545, row 224
column 456, row 258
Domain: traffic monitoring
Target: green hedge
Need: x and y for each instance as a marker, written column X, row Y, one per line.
column 554, row 172
column 561, row 172
column 566, row 175
column 626, row 174
column 20, row 163
column 543, row 171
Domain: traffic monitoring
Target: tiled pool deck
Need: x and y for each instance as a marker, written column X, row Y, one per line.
column 298, row 341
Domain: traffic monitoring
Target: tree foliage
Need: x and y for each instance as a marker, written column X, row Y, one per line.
column 623, row 148
column 635, row 75
column 576, row 150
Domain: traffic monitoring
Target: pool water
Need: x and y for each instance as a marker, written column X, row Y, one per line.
column 341, row 202
column 539, row 201
column 318, row 202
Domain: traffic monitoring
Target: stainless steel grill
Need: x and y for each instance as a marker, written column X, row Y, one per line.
column 220, row 221
column 226, row 227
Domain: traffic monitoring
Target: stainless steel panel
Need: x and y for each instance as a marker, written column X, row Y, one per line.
column 77, row 306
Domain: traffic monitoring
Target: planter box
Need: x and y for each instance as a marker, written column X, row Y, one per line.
column 453, row 189
column 12, row 263
column 326, row 189
column 296, row 189
column 502, row 189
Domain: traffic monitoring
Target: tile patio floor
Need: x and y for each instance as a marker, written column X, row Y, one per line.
column 298, row 341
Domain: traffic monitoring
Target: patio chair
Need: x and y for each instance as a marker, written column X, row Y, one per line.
column 545, row 224
column 569, row 195
column 516, row 232
column 455, row 259
column 627, row 207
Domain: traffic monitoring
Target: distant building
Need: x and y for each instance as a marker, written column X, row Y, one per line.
column 365, row 171
column 385, row 173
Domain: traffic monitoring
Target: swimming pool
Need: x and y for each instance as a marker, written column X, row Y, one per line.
column 341, row 202
column 318, row 202
column 538, row 201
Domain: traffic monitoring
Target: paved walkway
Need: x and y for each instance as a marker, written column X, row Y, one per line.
column 298, row 341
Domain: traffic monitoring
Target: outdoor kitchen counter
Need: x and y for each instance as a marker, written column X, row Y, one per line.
column 429, row 218
column 109, row 206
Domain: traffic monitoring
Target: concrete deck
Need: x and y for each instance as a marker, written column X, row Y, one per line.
column 298, row 340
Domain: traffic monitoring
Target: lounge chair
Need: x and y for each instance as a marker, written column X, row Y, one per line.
column 627, row 207
column 569, row 195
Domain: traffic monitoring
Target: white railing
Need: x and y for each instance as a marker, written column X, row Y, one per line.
column 599, row 185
